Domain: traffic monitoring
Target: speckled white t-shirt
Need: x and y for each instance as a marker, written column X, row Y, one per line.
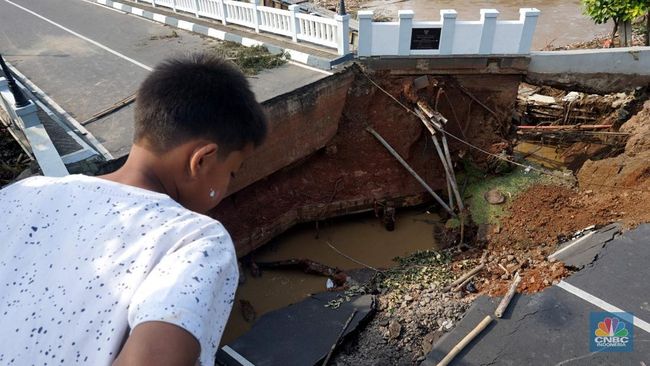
column 83, row 260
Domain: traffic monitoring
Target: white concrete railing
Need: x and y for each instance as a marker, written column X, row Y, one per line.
column 327, row 32
column 319, row 30
column 447, row 36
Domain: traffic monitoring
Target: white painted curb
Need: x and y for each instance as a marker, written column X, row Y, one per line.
column 296, row 55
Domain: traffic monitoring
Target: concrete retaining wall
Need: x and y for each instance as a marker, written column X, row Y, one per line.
column 594, row 71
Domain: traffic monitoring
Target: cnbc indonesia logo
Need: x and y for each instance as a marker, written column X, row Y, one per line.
column 611, row 333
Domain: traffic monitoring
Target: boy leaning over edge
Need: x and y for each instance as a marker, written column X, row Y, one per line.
column 124, row 268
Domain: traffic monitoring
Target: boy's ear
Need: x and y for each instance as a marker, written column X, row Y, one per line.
column 201, row 155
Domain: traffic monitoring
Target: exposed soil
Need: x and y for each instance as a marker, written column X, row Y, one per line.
column 333, row 5
column 604, row 41
column 13, row 159
column 411, row 318
column 353, row 172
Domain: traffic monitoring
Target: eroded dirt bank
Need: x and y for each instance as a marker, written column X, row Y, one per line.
column 415, row 310
column 349, row 170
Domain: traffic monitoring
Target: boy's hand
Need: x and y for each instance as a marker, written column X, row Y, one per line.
column 160, row 344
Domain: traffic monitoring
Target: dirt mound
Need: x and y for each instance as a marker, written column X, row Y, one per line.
column 624, row 179
column 613, row 189
column 639, row 129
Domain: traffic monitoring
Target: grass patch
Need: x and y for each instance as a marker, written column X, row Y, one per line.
column 509, row 184
column 251, row 60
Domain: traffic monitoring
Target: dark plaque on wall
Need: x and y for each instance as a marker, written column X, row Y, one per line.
column 425, row 38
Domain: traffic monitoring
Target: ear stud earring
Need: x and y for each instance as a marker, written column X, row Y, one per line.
column 212, row 193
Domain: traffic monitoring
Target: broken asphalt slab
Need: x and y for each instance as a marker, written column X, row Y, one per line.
column 300, row 334
column 547, row 328
column 583, row 250
column 552, row 327
column 619, row 275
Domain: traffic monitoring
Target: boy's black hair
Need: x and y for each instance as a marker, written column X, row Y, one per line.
column 198, row 96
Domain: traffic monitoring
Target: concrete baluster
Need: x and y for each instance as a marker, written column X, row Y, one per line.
column 196, row 8
column 529, row 16
column 295, row 22
column 405, row 31
column 364, row 47
column 256, row 16
column 153, row 2
column 174, row 5
column 489, row 22
column 448, row 30
column 343, row 33
column 222, row 7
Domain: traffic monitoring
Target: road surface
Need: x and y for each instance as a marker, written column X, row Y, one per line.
column 87, row 57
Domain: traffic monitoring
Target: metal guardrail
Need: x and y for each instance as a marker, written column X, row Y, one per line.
column 23, row 113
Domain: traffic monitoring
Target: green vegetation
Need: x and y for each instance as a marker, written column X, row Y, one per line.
column 509, row 184
column 251, row 60
column 420, row 268
column 601, row 11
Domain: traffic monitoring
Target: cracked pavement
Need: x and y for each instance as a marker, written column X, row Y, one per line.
column 552, row 327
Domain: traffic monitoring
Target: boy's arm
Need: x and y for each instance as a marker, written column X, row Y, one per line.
column 160, row 344
column 192, row 287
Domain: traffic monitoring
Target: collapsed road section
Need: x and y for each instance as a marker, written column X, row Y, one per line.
column 319, row 160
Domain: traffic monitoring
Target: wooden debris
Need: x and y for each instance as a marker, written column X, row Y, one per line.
column 308, row 266
column 565, row 127
column 338, row 339
column 504, row 269
column 410, row 170
column 247, row 311
column 503, row 305
column 465, row 341
column 114, row 108
column 464, row 277
column 435, row 121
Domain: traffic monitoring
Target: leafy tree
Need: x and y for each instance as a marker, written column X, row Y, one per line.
column 601, row 11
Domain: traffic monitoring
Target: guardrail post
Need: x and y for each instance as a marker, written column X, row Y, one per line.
column 529, row 16
column 364, row 48
column 4, row 84
column 343, row 33
column 25, row 117
column 256, row 16
column 448, row 29
column 224, row 14
column 489, row 21
column 174, row 5
column 295, row 22
column 405, row 31
column 153, row 2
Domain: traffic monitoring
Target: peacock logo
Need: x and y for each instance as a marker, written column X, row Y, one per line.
column 611, row 332
column 611, row 327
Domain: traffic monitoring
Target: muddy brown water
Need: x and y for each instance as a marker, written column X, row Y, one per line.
column 561, row 21
column 361, row 237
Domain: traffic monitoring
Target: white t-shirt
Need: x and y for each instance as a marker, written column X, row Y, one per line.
column 83, row 260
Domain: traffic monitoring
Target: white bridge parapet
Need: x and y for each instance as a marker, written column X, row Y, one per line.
column 447, row 36
column 327, row 32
